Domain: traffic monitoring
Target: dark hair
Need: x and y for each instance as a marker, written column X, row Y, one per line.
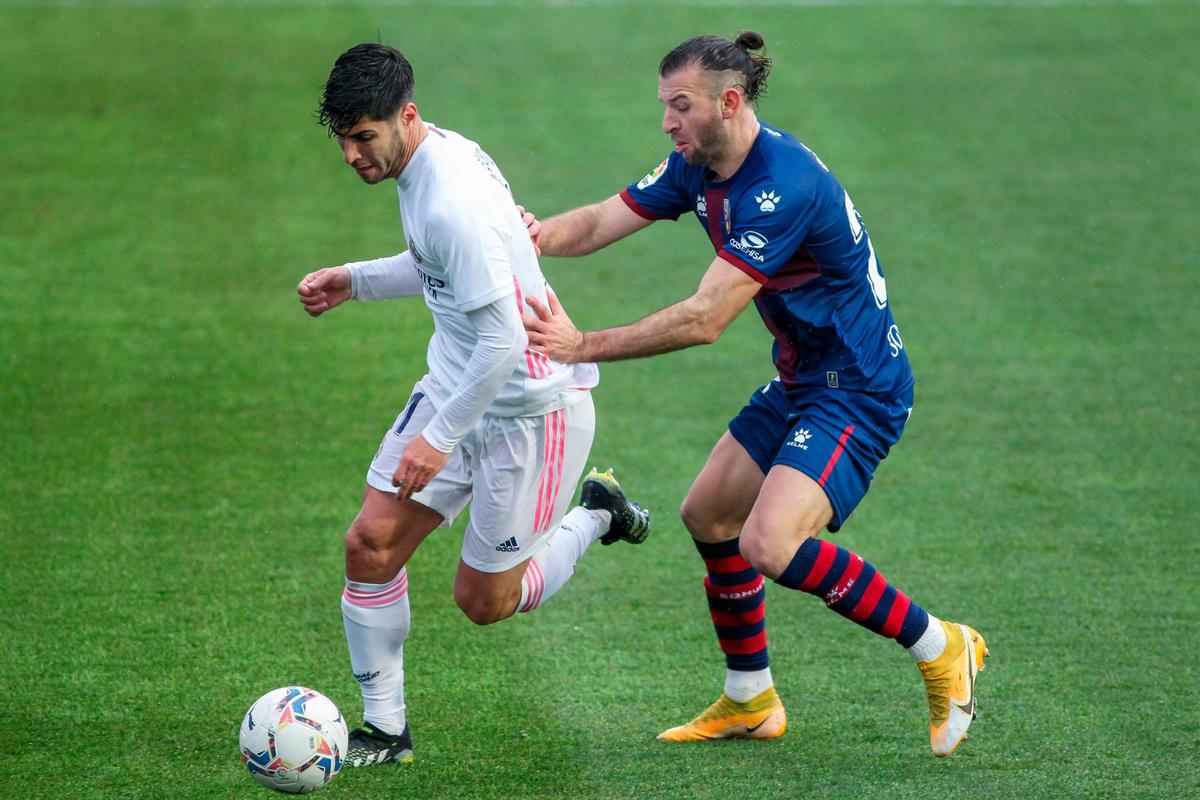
column 718, row 54
column 368, row 80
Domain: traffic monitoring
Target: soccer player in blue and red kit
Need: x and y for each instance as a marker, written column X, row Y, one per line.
column 800, row 455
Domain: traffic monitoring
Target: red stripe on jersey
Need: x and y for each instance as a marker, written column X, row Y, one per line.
column 529, row 354
column 743, row 266
column 714, row 215
column 837, row 453
column 799, row 270
column 636, row 207
column 820, row 567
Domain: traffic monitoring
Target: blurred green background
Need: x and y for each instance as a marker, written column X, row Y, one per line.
column 183, row 448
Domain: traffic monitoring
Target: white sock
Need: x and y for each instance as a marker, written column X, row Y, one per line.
column 742, row 686
column 554, row 564
column 932, row 642
column 376, row 617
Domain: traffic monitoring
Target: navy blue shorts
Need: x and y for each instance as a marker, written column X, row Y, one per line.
column 835, row 437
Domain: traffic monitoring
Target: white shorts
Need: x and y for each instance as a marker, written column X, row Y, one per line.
column 518, row 473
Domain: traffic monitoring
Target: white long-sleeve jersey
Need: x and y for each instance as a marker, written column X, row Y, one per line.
column 470, row 250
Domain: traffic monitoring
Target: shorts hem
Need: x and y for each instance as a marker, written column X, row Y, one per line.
column 749, row 450
column 493, row 567
column 421, row 498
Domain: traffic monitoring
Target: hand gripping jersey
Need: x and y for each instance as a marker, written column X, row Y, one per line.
column 785, row 221
column 471, row 249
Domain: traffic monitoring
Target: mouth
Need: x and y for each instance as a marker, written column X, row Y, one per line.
column 363, row 169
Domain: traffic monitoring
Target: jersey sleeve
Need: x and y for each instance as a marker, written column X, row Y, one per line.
column 475, row 254
column 384, row 278
column 661, row 194
column 769, row 226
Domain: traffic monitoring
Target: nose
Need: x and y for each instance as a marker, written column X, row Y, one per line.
column 349, row 151
column 670, row 122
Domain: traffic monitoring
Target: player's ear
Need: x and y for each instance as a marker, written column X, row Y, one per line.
column 731, row 101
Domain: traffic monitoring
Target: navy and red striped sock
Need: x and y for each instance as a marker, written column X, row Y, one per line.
column 737, row 602
column 854, row 589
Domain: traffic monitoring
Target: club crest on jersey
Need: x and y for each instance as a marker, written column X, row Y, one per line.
column 412, row 248
column 701, row 206
column 653, row 176
column 728, row 221
column 751, row 243
column 767, row 201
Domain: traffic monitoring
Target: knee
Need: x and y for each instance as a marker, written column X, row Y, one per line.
column 771, row 552
column 368, row 554
column 761, row 555
column 483, row 609
column 704, row 522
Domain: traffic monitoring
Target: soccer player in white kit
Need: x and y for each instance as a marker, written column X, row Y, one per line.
column 492, row 423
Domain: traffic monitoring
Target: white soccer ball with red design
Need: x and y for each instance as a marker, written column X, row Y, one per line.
column 293, row 740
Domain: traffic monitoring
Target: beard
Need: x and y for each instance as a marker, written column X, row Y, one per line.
column 389, row 163
column 710, row 143
column 396, row 159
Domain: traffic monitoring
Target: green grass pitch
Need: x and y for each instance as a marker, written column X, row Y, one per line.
column 183, row 447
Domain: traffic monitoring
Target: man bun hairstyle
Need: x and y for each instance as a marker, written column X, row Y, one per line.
column 369, row 80
column 718, row 54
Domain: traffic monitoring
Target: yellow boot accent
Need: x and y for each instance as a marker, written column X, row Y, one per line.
column 761, row 717
column 950, row 687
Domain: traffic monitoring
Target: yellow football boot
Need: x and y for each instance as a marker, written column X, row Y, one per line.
column 950, row 686
column 761, row 717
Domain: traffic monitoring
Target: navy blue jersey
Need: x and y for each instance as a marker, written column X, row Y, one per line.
column 785, row 221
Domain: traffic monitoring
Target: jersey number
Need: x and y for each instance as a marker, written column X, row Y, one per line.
column 874, row 276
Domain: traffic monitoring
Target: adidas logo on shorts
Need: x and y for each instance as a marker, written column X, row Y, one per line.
column 510, row 546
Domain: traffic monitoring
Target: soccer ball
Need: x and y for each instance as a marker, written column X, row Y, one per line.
column 293, row 740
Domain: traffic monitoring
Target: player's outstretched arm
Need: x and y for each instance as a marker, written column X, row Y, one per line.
column 584, row 230
column 379, row 279
column 723, row 293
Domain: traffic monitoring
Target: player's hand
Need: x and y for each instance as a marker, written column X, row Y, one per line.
column 418, row 464
column 552, row 332
column 324, row 289
column 533, row 226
